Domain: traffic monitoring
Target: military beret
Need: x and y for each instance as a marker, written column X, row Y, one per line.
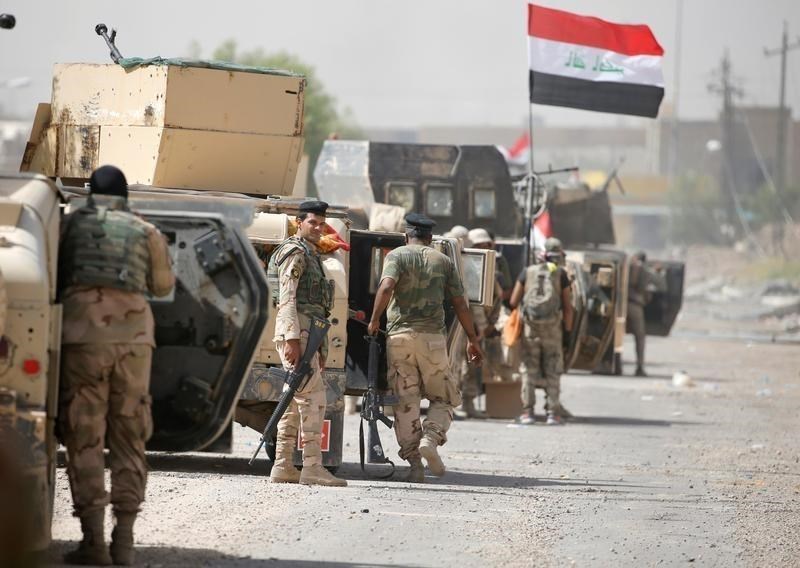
column 314, row 206
column 420, row 221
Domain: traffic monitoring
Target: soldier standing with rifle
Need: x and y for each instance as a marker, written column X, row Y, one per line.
column 417, row 279
column 301, row 292
column 109, row 258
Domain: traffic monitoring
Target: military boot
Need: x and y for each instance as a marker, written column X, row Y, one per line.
column 318, row 475
column 469, row 407
column 92, row 550
column 416, row 473
column 283, row 471
column 429, row 451
column 122, row 539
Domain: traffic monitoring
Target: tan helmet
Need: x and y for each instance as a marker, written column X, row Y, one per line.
column 553, row 244
column 479, row 237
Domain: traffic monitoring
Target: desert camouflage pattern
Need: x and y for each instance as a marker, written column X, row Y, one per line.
column 542, row 362
column 295, row 306
column 418, row 366
column 100, row 315
column 305, row 413
column 424, row 279
column 293, row 320
column 469, row 376
column 107, row 346
column 104, row 400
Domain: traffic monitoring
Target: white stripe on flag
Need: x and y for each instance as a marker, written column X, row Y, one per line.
column 593, row 64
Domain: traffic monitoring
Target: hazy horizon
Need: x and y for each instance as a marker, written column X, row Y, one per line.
column 443, row 63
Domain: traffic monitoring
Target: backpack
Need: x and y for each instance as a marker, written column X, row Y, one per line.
column 542, row 299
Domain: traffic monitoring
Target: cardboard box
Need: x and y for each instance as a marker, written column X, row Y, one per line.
column 177, row 97
column 503, row 399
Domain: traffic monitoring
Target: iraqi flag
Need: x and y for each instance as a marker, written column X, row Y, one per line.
column 519, row 153
column 588, row 63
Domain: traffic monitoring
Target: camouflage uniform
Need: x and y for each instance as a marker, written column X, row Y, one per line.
column 640, row 281
column 417, row 345
column 302, row 293
column 542, row 351
column 107, row 344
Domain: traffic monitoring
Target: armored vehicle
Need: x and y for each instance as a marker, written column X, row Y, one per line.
column 453, row 185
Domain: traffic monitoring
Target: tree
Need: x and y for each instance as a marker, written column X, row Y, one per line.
column 321, row 117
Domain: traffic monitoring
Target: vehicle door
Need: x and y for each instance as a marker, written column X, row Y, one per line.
column 207, row 330
column 662, row 309
column 368, row 249
column 600, row 285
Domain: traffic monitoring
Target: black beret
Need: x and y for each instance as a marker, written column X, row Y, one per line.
column 315, row 207
column 420, row 221
column 109, row 180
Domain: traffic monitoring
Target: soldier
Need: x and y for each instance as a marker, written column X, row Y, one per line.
column 109, row 259
column 418, row 279
column 300, row 292
column 543, row 290
column 641, row 282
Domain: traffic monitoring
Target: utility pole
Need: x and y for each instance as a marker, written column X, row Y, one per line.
column 780, row 161
column 675, row 141
column 724, row 86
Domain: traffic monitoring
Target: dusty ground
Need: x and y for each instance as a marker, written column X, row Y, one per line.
column 649, row 475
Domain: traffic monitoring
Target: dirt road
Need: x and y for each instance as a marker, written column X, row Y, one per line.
column 648, row 474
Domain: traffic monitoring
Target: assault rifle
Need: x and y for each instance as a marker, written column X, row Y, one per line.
column 372, row 412
column 294, row 379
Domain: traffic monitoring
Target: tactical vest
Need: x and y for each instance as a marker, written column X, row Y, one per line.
column 105, row 246
column 542, row 299
column 314, row 293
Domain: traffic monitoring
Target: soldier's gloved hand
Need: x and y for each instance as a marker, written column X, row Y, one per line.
column 291, row 351
column 474, row 352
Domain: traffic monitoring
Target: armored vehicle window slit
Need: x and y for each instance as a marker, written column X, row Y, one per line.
column 439, row 200
column 401, row 193
column 484, row 204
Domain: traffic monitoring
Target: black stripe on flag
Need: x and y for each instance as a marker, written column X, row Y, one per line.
column 600, row 96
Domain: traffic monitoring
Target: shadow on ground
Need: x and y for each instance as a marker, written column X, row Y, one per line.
column 169, row 556
column 624, row 421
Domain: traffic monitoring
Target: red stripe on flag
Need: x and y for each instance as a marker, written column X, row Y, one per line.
column 557, row 25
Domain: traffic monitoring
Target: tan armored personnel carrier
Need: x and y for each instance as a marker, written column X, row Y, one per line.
column 210, row 152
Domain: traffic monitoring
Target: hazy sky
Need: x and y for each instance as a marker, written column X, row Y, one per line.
column 409, row 63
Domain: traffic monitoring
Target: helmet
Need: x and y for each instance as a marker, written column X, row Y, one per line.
column 458, row 232
column 108, row 180
column 480, row 237
column 553, row 244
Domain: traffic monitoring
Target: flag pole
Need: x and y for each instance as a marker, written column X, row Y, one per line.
column 530, row 194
